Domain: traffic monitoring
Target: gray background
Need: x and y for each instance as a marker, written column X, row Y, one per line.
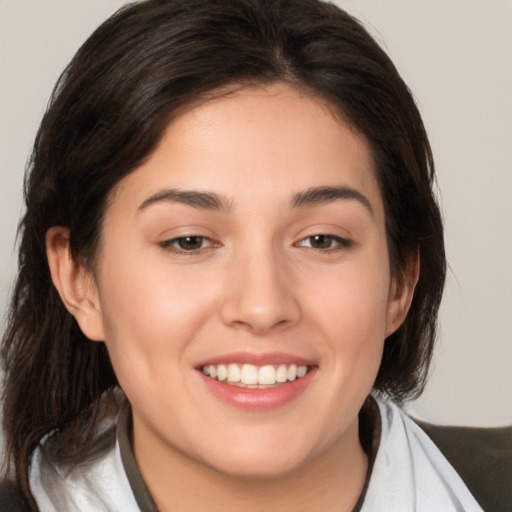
column 456, row 56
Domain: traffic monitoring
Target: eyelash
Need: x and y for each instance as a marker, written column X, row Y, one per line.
column 340, row 243
column 172, row 245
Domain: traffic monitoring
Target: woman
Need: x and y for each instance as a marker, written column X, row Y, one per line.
column 230, row 269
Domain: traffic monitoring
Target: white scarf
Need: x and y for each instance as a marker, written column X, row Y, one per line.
column 409, row 474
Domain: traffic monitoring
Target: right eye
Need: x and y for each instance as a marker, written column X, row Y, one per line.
column 325, row 242
column 187, row 244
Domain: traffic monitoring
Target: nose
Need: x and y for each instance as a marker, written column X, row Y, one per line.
column 258, row 295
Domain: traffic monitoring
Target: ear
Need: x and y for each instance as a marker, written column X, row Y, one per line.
column 75, row 284
column 401, row 293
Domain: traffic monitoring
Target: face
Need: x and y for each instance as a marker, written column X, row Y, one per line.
column 243, row 284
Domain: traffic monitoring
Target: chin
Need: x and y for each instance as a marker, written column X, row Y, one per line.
column 259, row 471
column 260, row 464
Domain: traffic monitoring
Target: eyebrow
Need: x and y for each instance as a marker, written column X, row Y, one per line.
column 324, row 195
column 210, row 201
column 196, row 199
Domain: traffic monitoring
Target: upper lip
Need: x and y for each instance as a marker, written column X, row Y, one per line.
column 257, row 359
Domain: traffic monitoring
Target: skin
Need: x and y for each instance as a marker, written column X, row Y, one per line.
column 259, row 282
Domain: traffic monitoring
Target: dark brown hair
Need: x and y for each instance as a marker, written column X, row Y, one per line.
column 107, row 114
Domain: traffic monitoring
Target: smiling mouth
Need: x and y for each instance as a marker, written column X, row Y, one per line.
column 255, row 377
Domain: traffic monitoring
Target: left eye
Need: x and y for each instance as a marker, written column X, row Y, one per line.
column 187, row 243
column 324, row 242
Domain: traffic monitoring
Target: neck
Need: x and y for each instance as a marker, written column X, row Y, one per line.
column 331, row 482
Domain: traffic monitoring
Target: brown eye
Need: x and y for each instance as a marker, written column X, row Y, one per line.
column 323, row 242
column 187, row 244
column 190, row 243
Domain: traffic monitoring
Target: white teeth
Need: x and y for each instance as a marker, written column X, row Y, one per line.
column 249, row 374
column 233, row 373
column 282, row 373
column 252, row 376
column 267, row 375
column 222, row 372
column 301, row 371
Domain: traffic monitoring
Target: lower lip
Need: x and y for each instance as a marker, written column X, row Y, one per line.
column 259, row 399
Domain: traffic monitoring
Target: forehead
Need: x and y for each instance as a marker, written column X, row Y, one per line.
column 258, row 143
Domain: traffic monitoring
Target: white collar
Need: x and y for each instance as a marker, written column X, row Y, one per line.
column 409, row 474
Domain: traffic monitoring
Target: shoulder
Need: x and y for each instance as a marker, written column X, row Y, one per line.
column 11, row 498
column 483, row 459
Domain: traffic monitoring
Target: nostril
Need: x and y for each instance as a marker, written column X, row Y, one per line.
column 258, row 319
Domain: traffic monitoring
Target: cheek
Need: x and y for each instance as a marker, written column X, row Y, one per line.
column 354, row 301
column 151, row 311
column 351, row 312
